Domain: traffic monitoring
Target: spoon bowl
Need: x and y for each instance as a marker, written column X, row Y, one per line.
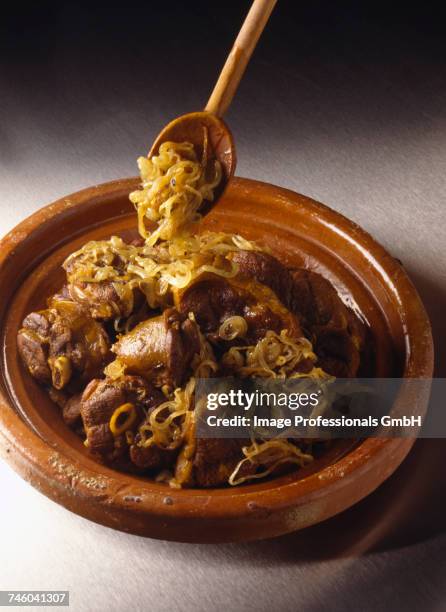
column 195, row 128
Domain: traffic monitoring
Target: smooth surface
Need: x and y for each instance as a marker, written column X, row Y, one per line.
column 301, row 232
column 369, row 138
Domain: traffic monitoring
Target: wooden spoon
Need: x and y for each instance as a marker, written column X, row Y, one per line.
column 192, row 126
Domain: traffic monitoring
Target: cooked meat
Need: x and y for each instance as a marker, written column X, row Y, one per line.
column 106, row 299
column 33, row 347
column 151, row 457
column 306, row 293
column 71, row 411
column 215, row 459
column 38, row 322
column 63, row 345
column 267, row 270
column 61, row 295
column 317, row 300
column 213, row 299
column 338, row 335
column 102, row 398
column 160, row 349
column 104, row 302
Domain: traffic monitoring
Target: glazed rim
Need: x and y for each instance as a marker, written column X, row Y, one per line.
column 73, row 470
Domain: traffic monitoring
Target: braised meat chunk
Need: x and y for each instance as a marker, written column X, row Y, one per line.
column 104, row 301
column 151, row 458
column 160, row 349
column 110, row 408
column 213, row 300
column 337, row 333
column 71, row 411
column 267, row 270
column 215, row 460
column 32, row 343
column 63, row 345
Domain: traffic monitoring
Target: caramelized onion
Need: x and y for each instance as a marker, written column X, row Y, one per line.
column 233, row 327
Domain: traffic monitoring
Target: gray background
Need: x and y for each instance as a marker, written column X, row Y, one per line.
column 346, row 107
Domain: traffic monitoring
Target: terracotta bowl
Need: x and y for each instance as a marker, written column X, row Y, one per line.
column 34, row 439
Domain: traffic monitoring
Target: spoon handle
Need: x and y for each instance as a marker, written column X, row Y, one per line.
column 239, row 56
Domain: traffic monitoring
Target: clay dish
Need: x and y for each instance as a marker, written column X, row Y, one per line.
column 36, row 442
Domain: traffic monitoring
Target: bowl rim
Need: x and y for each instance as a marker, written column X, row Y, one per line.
column 29, row 453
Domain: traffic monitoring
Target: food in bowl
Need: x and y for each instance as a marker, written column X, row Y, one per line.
column 121, row 345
